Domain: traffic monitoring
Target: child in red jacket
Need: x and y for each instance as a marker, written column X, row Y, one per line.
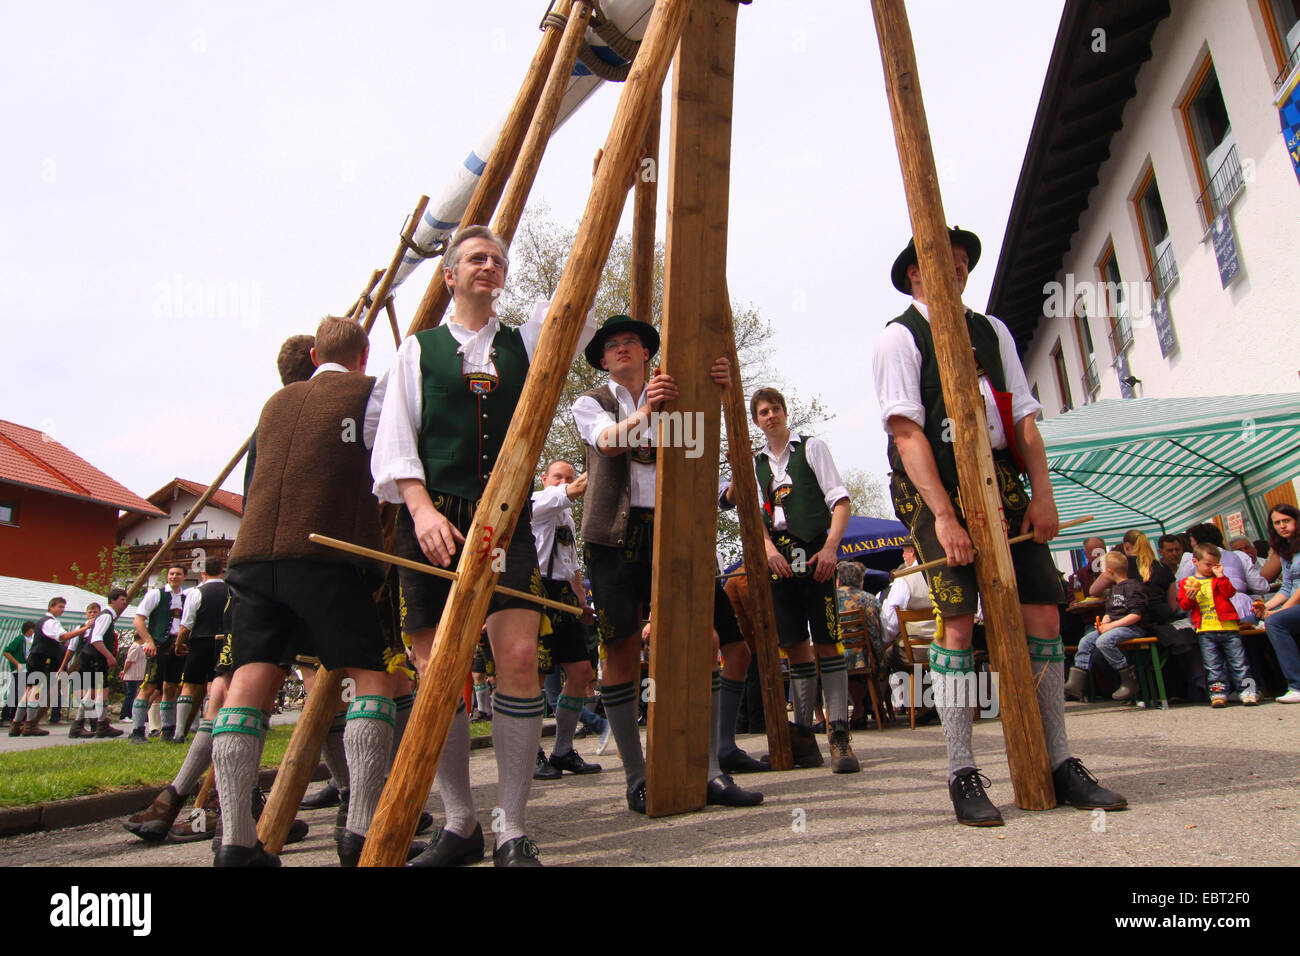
column 1206, row 597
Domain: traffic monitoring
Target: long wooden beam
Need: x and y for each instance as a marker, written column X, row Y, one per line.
column 380, row 298
column 495, row 173
column 505, row 496
column 644, row 202
column 686, row 486
column 744, row 488
column 1022, row 727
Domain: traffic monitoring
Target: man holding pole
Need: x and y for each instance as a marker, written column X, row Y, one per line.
column 924, row 489
column 453, row 393
column 617, row 423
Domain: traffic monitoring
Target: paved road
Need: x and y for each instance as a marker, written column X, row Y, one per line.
column 1206, row 787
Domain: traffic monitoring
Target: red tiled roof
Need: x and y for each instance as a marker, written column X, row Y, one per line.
column 32, row 459
column 226, row 500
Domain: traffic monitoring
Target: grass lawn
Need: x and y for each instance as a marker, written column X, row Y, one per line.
column 56, row 773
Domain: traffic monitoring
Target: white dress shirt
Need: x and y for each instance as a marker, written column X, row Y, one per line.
column 552, row 510
column 823, row 467
column 592, row 420
column 396, row 454
column 897, row 367
column 194, row 601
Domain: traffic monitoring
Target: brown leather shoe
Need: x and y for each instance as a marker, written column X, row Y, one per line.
column 32, row 728
column 104, row 728
column 194, row 826
column 803, row 747
column 152, row 824
column 843, row 759
column 78, row 729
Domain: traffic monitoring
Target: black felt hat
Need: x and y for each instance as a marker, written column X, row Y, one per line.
column 959, row 236
column 620, row 323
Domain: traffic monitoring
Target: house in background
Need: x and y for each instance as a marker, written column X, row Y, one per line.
column 211, row 534
column 1150, row 249
column 56, row 509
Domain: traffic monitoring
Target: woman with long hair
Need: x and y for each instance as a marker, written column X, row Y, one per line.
column 1143, row 564
column 1282, row 611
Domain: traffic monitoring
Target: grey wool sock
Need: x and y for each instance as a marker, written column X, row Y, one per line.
column 167, row 711
column 139, row 716
column 368, row 742
column 567, row 710
column 183, row 707
column 1047, row 660
column 335, row 759
column 950, row 674
column 516, row 729
column 197, row 759
column 483, row 698
column 403, row 705
column 620, row 709
column 835, row 685
column 453, row 777
column 803, row 691
column 236, row 747
column 715, row 716
column 728, row 706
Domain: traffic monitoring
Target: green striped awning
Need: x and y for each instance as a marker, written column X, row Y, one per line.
column 1163, row 464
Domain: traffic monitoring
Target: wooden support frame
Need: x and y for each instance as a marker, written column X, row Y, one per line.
column 694, row 325
column 1021, row 723
column 503, row 500
column 381, row 298
column 644, row 203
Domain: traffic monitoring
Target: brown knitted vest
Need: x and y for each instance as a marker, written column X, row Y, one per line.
column 605, row 506
column 312, row 474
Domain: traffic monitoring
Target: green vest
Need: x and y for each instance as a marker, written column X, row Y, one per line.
column 988, row 356
column 461, row 428
column 806, row 514
column 160, row 619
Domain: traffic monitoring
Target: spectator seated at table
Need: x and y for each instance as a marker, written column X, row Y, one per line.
column 1083, row 583
column 1126, row 611
column 907, row 593
column 1253, row 556
column 1282, row 610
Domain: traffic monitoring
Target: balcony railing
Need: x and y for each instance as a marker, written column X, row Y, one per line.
column 1224, row 185
column 1091, row 380
column 1121, row 333
column 1291, row 62
column 1164, row 275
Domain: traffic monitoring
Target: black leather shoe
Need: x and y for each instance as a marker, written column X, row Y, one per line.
column 448, row 849
column 425, row 824
column 740, row 762
column 723, row 792
column 351, row 844
column 520, row 851
column 1079, row 788
column 636, row 798
column 244, row 856
column 137, row 737
column 324, row 798
column 297, row 832
column 573, row 762
column 341, row 816
column 974, row 808
column 544, row 770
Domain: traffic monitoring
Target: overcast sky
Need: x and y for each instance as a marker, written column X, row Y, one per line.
column 267, row 157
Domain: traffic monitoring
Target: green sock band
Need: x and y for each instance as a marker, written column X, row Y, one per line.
column 945, row 661
column 569, row 703
column 238, row 720
column 374, row 708
column 1046, row 649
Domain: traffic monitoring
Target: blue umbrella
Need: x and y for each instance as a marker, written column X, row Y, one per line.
column 874, row 542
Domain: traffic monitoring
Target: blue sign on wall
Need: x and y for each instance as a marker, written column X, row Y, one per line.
column 1164, row 327
column 1288, row 108
column 1225, row 248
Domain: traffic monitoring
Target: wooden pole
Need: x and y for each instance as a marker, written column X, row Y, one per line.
column 392, row 321
column 1022, row 727
column 512, row 203
column 503, row 499
column 643, row 221
column 493, row 178
column 744, row 488
column 686, row 485
column 381, row 296
column 143, row 577
column 365, row 298
column 301, row 759
column 205, row 789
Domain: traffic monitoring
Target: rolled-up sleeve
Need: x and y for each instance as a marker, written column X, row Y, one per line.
column 823, row 467
column 591, row 419
column 897, row 369
column 531, row 331
column 396, row 455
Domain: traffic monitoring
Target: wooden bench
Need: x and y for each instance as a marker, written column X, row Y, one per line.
column 1150, row 670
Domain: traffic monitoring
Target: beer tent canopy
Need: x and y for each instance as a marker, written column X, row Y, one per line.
column 1163, row 464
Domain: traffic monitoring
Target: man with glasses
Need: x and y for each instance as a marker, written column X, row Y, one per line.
column 450, row 399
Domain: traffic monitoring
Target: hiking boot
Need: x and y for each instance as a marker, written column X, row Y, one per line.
column 842, row 757
column 78, row 728
column 972, row 804
column 1077, row 685
column 104, row 728
column 1079, row 788
column 195, row 826
column 152, row 824
column 16, row 726
column 137, row 737
column 803, row 747
column 32, row 726
column 1128, row 684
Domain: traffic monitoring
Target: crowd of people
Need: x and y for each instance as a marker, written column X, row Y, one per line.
column 423, row 438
